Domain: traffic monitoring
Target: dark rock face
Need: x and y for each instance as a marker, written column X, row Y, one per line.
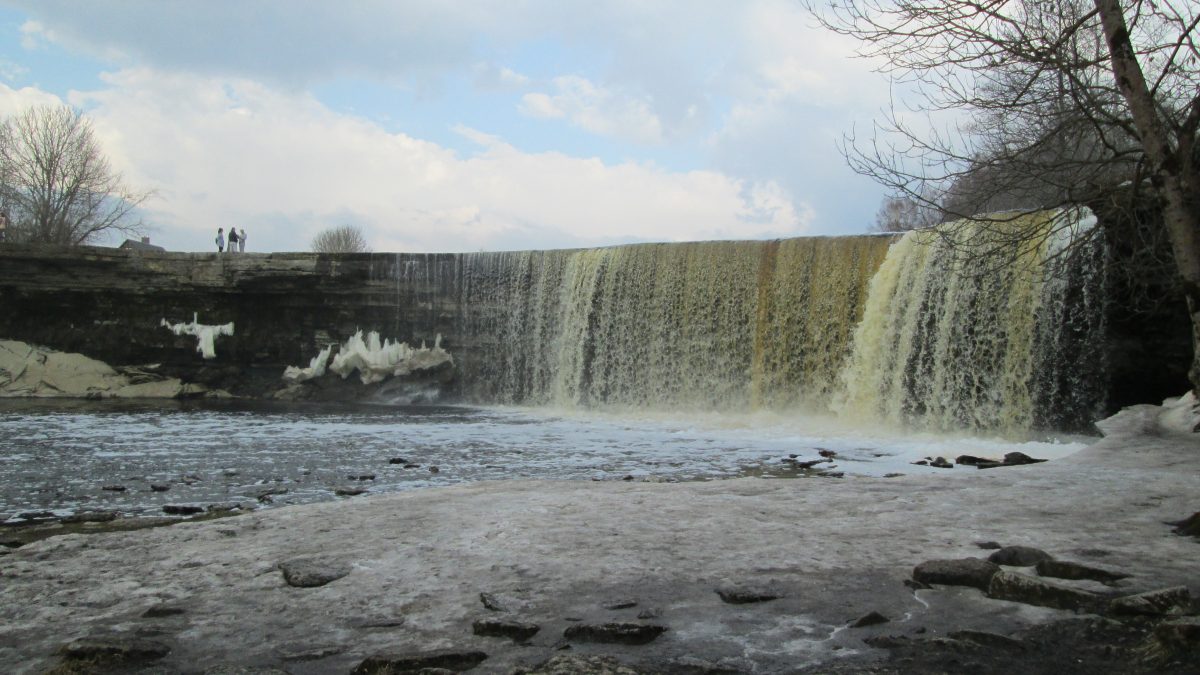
column 514, row 630
column 1019, row 458
column 306, row 573
column 1034, row 591
column 384, row 663
column 974, row 572
column 1019, row 556
column 181, row 509
column 615, row 633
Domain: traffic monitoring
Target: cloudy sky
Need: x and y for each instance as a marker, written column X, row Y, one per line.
column 459, row 125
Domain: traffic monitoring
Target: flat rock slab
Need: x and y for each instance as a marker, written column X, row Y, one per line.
column 1034, row 591
column 1164, row 602
column 973, row 572
column 448, row 659
column 309, row 573
column 114, row 649
column 1062, row 569
column 615, row 633
column 514, row 630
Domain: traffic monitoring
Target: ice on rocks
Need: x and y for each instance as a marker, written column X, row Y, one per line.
column 206, row 335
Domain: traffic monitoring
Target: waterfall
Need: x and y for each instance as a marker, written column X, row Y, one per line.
column 949, row 341
column 727, row 325
column 914, row 331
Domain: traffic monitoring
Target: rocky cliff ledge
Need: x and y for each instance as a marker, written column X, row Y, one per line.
column 109, row 304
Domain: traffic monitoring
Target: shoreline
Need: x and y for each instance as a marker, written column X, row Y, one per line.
column 557, row 554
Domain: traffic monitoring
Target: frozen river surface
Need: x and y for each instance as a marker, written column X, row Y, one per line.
column 65, row 457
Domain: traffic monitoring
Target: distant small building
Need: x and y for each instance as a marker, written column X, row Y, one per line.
column 143, row 245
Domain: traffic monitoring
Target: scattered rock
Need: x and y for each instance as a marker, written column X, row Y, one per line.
column 230, row 473
column 491, row 602
column 1163, row 602
column 365, row 476
column 615, row 633
column 917, row 585
column 446, row 659
column 89, row 517
column 581, row 665
column 811, row 463
column 114, row 488
column 306, row 652
column 974, row 572
column 434, row 469
column 872, row 619
column 829, row 454
column 1034, row 591
column 988, row 545
column 309, row 573
column 397, row 460
column 382, row 622
column 515, row 630
column 741, row 595
column 158, row 487
column 621, row 604
column 941, row 463
column 972, row 460
column 1019, row 556
column 36, row 515
column 921, row 462
column 114, row 649
column 349, row 491
column 986, row 639
column 650, row 613
column 412, row 466
column 892, row 475
column 162, row 611
column 1188, row 527
column 1062, row 569
column 181, row 509
column 1019, row 458
column 1183, row 632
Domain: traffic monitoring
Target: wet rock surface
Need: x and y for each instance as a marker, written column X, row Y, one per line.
column 310, row 573
column 615, row 633
column 974, row 572
column 1019, row 556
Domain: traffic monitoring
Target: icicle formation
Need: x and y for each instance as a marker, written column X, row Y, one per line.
column 206, row 336
column 376, row 361
column 945, row 345
column 316, row 368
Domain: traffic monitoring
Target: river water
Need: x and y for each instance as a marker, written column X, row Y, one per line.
column 64, row 457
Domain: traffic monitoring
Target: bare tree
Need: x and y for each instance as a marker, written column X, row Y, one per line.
column 55, row 183
column 901, row 214
column 341, row 239
column 1068, row 102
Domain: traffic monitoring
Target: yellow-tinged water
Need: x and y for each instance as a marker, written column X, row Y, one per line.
column 905, row 332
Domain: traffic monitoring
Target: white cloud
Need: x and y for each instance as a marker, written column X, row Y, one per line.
column 235, row 152
column 596, row 109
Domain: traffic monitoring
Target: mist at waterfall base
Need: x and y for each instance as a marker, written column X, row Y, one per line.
column 60, row 456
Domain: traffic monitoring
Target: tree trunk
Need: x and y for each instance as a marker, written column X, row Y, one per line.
column 1171, row 172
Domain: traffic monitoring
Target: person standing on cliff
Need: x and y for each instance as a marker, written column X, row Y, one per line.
column 242, row 241
column 233, row 240
column 220, row 239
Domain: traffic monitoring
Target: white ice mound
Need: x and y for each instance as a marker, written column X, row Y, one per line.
column 374, row 360
column 316, row 368
column 206, row 336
